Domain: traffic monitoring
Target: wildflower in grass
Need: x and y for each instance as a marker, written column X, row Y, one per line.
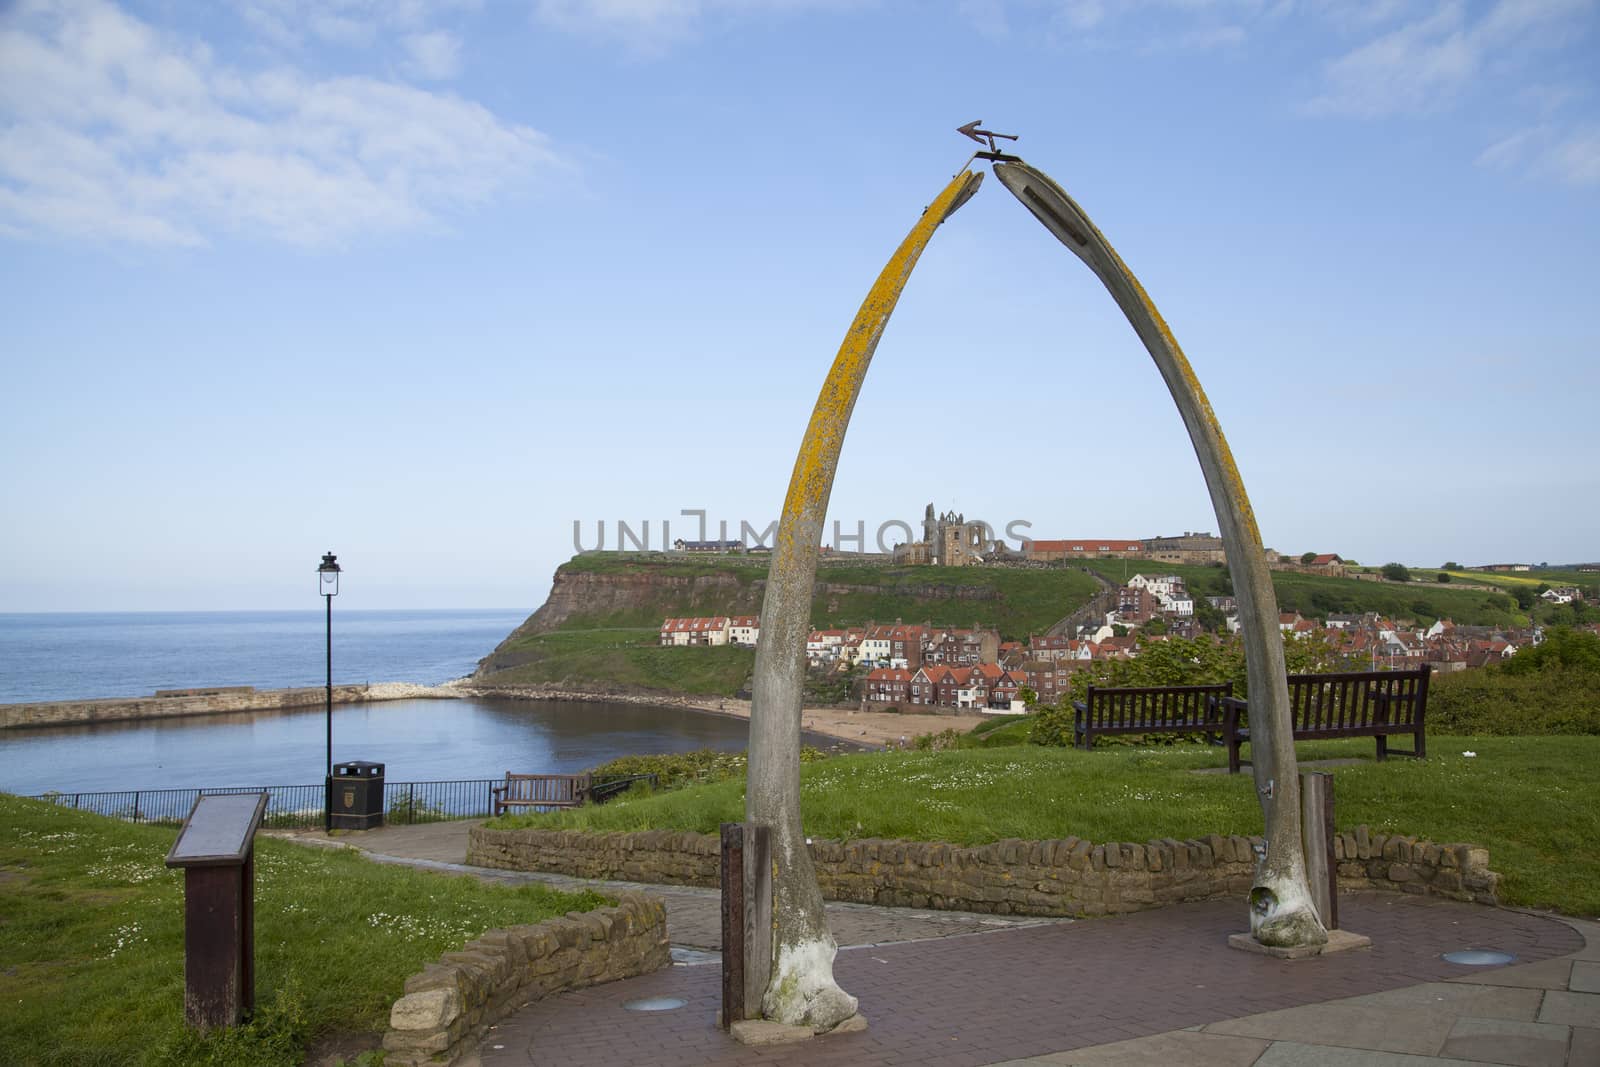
column 1469, row 755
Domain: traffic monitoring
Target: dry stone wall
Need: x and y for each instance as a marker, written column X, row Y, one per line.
column 1011, row 877
column 448, row 1007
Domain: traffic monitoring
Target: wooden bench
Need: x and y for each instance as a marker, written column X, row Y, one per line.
column 1376, row 704
column 1172, row 709
column 539, row 791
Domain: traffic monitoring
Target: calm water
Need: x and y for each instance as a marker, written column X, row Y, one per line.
column 418, row 740
column 73, row 656
column 62, row 657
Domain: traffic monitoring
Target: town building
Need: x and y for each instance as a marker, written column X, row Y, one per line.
column 680, row 545
column 949, row 540
column 1071, row 548
column 744, row 630
column 697, row 631
column 1192, row 548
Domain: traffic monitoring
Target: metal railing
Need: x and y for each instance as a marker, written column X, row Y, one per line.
column 299, row 807
column 289, row 807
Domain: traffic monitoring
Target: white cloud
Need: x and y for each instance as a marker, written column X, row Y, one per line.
column 435, row 55
column 1568, row 154
column 111, row 129
column 1413, row 69
column 1428, row 62
column 653, row 25
column 1576, row 158
column 1152, row 26
column 353, row 23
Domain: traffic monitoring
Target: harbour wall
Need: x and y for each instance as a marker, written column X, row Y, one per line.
column 182, row 703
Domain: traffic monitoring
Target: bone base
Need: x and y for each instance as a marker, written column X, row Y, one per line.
column 1338, row 941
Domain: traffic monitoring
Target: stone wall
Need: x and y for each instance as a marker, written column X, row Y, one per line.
column 208, row 702
column 1011, row 877
column 448, row 1007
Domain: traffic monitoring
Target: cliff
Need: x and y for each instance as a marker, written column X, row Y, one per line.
column 598, row 627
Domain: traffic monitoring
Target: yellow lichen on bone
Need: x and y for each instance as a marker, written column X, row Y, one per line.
column 812, row 479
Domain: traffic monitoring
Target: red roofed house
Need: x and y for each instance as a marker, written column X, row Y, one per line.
column 889, row 685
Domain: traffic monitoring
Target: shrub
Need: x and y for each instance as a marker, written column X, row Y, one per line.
column 675, row 769
column 1493, row 700
column 1052, row 725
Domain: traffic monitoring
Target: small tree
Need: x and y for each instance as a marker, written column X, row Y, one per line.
column 1452, row 566
column 1396, row 572
column 1307, row 557
column 1443, row 576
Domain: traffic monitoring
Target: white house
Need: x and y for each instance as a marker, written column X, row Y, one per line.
column 1158, row 585
column 744, row 630
column 1180, row 604
column 823, row 645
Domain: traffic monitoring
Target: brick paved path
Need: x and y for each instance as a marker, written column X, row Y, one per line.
column 1026, row 992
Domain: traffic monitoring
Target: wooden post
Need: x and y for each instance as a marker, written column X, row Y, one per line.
column 1322, row 870
column 733, row 924
column 757, row 917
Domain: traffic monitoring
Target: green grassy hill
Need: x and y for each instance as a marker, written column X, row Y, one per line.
column 599, row 627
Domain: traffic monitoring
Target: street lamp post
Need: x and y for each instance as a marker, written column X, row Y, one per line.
column 328, row 586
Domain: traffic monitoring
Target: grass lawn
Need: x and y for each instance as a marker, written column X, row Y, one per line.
column 1534, row 802
column 91, row 942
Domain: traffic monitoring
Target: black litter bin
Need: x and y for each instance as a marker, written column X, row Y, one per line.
column 357, row 800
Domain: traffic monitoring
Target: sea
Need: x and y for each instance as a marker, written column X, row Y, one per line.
column 81, row 656
column 78, row 656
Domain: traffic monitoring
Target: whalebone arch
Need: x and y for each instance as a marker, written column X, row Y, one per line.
column 801, row 989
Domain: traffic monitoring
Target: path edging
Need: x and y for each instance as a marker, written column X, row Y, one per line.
column 450, row 1004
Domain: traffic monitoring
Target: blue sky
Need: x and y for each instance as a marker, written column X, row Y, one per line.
column 425, row 281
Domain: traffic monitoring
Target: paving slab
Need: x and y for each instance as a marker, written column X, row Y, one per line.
column 1584, row 1051
column 1294, row 1054
column 1410, row 1029
column 1585, row 977
column 1546, row 974
column 1506, row 1042
column 1188, row 1048
column 1489, row 1003
column 1571, row 1009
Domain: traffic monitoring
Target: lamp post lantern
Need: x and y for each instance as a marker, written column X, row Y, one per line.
column 328, row 586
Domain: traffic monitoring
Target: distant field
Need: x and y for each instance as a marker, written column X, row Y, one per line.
column 626, row 658
column 1318, row 595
